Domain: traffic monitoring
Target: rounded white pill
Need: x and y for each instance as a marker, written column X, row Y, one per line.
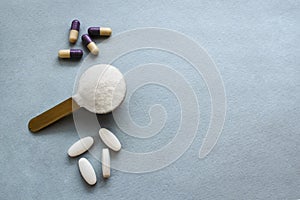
column 105, row 163
column 87, row 171
column 110, row 139
column 80, row 146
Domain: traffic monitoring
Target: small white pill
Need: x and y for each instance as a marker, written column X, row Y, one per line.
column 105, row 163
column 87, row 171
column 80, row 146
column 110, row 139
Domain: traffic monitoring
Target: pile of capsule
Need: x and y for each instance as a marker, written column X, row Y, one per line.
column 86, row 40
column 85, row 167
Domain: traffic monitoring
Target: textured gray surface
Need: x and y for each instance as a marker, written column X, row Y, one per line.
column 255, row 45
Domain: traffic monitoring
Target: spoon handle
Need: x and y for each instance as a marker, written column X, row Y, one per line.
column 52, row 115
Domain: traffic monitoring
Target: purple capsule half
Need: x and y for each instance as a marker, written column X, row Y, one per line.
column 86, row 39
column 75, row 25
column 94, row 31
column 76, row 53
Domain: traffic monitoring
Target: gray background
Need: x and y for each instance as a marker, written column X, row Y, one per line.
column 255, row 45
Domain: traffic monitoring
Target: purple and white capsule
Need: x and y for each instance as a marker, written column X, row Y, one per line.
column 88, row 42
column 99, row 31
column 75, row 26
column 70, row 53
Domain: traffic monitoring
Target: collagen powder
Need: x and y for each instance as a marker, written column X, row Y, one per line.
column 101, row 89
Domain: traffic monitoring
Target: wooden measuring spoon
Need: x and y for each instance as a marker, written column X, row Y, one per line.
column 101, row 89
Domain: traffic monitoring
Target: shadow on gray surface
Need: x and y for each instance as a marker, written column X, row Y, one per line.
column 72, row 62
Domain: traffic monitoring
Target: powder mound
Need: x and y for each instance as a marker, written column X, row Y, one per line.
column 101, row 89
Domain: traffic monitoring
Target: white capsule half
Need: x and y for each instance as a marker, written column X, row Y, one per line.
column 105, row 163
column 93, row 48
column 105, row 31
column 65, row 53
column 110, row 139
column 87, row 171
column 73, row 36
column 80, row 146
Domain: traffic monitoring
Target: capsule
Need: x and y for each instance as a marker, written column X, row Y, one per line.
column 70, row 53
column 88, row 42
column 99, row 31
column 74, row 31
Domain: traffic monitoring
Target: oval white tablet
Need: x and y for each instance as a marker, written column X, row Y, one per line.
column 105, row 163
column 80, row 146
column 110, row 139
column 87, row 171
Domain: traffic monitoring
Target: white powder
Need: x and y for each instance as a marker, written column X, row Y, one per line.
column 101, row 89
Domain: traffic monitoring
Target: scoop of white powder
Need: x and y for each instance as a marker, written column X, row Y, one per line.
column 101, row 89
